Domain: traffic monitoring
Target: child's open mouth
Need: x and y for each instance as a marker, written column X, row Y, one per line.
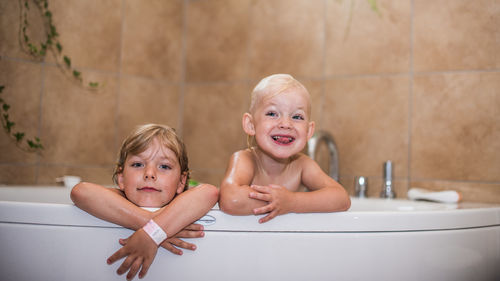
column 282, row 139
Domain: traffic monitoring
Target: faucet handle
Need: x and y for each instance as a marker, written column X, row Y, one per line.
column 387, row 186
column 360, row 186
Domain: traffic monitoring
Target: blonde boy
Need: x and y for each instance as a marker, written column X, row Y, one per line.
column 265, row 178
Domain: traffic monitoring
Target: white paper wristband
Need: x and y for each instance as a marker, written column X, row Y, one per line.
column 155, row 232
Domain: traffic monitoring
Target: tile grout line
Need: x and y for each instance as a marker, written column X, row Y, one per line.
column 410, row 94
column 323, row 67
column 119, row 76
column 182, row 83
column 40, row 118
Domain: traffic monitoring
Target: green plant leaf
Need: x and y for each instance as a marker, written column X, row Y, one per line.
column 67, row 61
column 19, row 136
column 5, row 107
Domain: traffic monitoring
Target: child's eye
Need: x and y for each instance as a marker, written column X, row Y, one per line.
column 298, row 117
column 165, row 167
column 271, row 114
column 136, row 164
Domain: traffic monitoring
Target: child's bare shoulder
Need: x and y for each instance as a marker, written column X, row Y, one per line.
column 302, row 159
column 244, row 154
column 305, row 163
column 243, row 157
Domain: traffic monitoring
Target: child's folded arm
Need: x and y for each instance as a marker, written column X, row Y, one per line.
column 235, row 188
column 326, row 194
column 186, row 208
column 109, row 204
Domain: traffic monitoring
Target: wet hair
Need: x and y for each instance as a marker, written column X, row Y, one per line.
column 273, row 85
column 140, row 139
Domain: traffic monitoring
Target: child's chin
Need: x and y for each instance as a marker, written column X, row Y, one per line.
column 150, row 204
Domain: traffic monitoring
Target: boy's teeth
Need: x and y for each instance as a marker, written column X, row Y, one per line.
column 282, row 139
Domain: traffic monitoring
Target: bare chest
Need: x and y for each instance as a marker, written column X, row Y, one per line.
column 290, row 179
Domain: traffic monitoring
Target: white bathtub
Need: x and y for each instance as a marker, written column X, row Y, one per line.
column 43, row 236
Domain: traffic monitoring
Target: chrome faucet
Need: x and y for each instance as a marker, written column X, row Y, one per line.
column 312, row 148
column 387, row 186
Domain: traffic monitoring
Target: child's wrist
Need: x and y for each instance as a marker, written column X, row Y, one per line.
column 155, row 232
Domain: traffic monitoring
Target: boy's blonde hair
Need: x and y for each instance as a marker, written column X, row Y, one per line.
column 139, row 140
column 273, row 85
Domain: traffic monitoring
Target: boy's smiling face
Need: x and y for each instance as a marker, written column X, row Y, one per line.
column 280, row 122
column 153, row 177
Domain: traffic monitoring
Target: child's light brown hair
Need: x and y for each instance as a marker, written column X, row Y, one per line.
column 139, row 140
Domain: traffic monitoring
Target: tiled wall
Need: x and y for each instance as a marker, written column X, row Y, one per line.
column 417, row 82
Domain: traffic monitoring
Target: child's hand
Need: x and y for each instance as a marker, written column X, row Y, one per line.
column 191, row 231
column 139, row 250
column 279, row 199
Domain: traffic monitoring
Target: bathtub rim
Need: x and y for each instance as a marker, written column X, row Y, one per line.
column 463, row 217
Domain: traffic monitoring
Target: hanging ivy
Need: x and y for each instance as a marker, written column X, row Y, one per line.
column 38, row 50
column 29, row 145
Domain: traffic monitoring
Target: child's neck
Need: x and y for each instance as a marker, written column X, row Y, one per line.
column 270, row 165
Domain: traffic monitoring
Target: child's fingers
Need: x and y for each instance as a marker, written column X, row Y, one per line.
column 263, row 210
column 189, row 234
column 194, row 226
column 116, row 256
column 169, row 247
column 126, row 264
column 260, row 188
column 123, row 242
column 268, row 217
column 134, row 268
column 183, row 244
column 145, row 267
column 261, row 196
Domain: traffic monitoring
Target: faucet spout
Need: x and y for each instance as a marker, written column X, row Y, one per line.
column 312, row 148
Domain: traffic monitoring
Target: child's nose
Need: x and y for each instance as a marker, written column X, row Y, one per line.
column 285, row 123
column 149, row 174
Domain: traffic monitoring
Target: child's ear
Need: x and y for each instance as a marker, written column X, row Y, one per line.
column 119, row 179
column 310, row 130
column 247, row 123
column 182, row 183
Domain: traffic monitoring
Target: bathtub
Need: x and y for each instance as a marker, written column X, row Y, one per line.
column 43, row 236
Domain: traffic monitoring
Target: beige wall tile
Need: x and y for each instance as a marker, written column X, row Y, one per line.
column 217, row 40
column 143, row 101
column 22, row 93
column 286, row 36
column 78, row 125
column 89, row 32
column 360, row 40
column 211, row 176
column 13, row 174
column 97, row 174
column 152, row 39
column 315, row 88
column 212, row 123
column 454, row 34
column 368, row 117
column 355, row 62
column 456, row 127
